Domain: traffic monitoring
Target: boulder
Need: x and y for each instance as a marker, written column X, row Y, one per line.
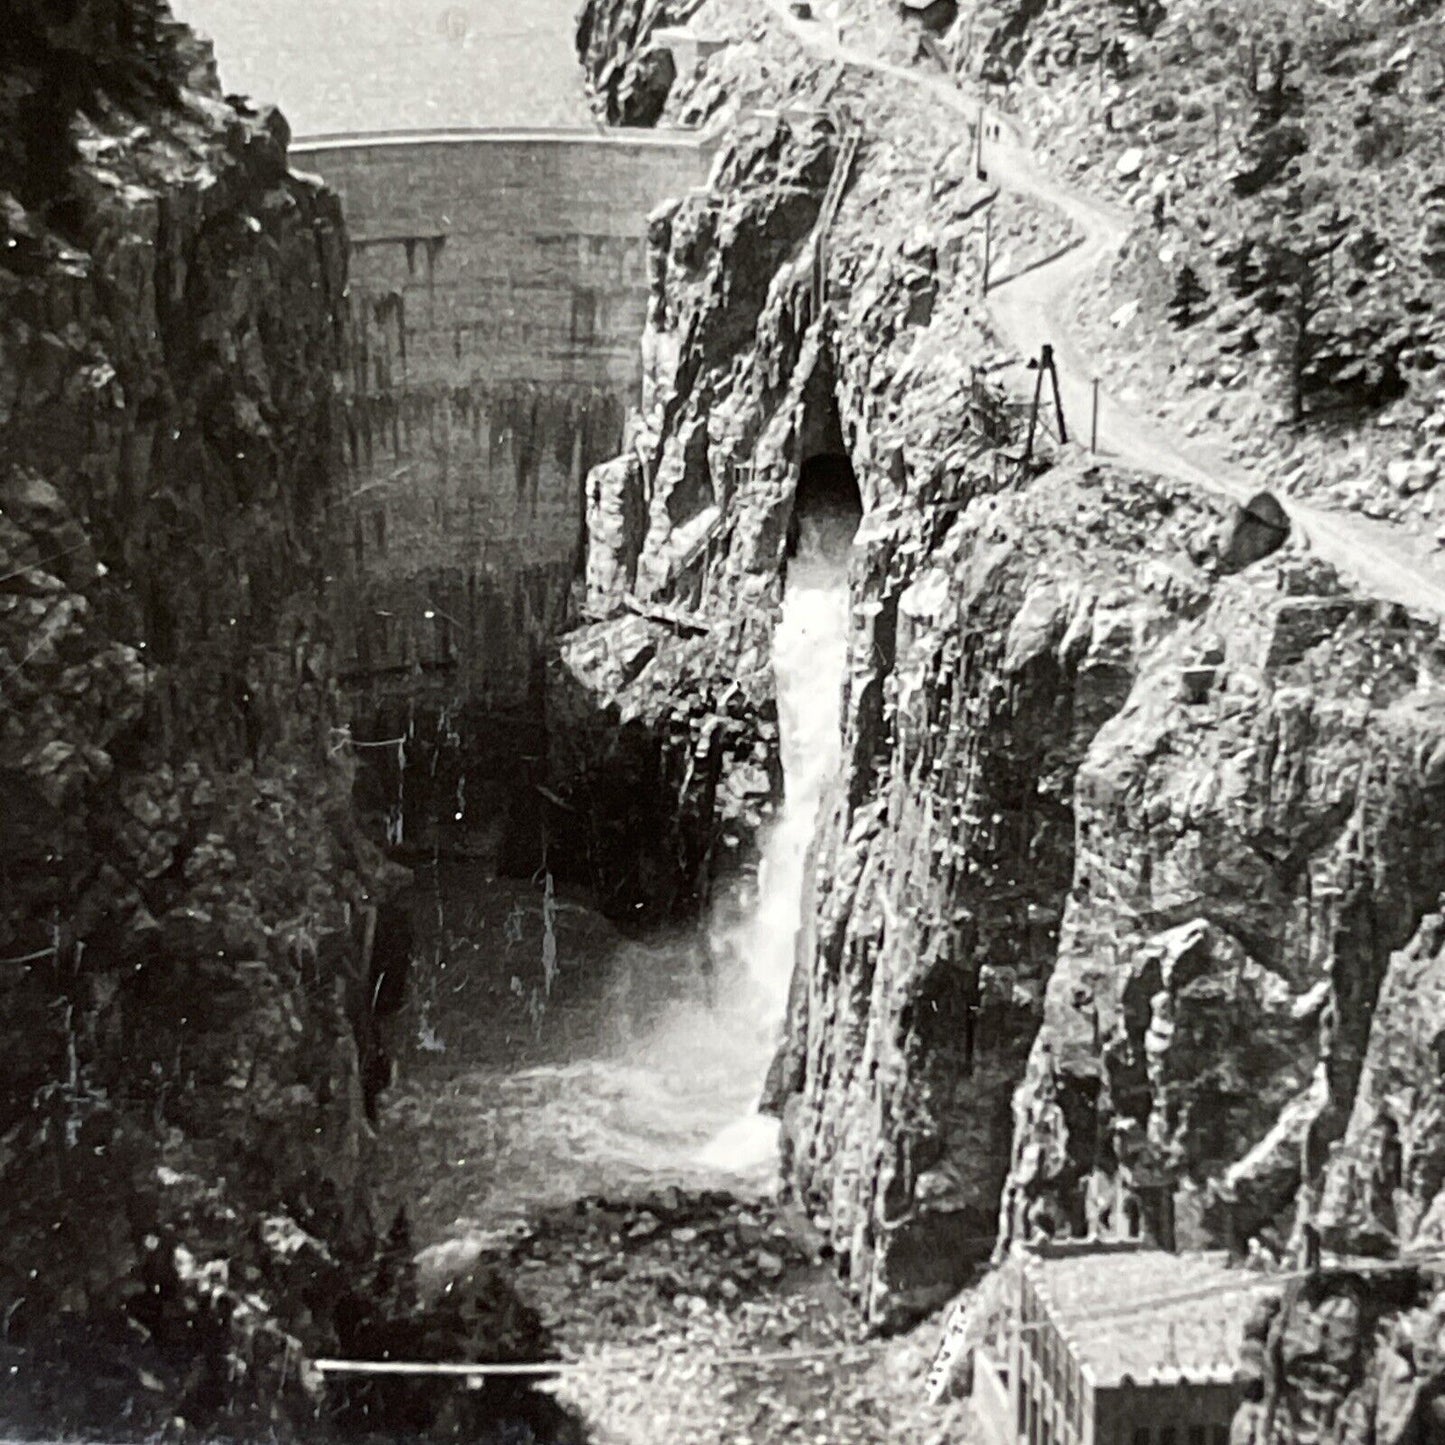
column 1409, row 475
column 1129, row 164
column 933, row 15
column 1261, row 527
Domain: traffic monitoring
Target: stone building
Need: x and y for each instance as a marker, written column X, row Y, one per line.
column 1114, row 1344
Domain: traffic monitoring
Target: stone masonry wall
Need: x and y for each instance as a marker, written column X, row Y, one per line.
column 498, row 288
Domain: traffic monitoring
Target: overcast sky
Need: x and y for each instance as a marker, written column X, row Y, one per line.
column 367, row 65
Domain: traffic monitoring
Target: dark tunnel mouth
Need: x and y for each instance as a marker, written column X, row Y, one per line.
column 827, row 491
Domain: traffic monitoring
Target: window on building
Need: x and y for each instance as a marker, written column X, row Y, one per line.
column 1167, row 1434
column 1219, row 1434
column 1197, row 1435
column 1141, row 1435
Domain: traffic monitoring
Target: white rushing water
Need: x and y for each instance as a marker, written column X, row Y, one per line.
column 810, row 651
column 639, row 1073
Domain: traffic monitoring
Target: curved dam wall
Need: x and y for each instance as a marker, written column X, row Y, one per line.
column 498, row 291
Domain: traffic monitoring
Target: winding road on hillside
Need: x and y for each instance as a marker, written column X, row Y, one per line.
column 1028, row 311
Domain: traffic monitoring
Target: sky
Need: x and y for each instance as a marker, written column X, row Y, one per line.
column 375, row 65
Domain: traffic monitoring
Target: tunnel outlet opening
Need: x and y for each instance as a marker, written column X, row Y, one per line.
column 827, row 507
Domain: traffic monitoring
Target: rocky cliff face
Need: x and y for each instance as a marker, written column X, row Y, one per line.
column 1353, row 1357
column 1248, row 863
column 188, row 913
column 629, row 77
column 944, row 878
column 1134, row 861
column 662, row 718
column 1288, row 266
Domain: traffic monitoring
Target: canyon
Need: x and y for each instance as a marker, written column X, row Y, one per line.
column 559, row 682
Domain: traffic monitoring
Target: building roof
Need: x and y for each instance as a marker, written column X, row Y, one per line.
column 1147, row 1315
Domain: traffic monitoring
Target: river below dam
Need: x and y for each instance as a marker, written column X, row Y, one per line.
column 573, row 1102
column 580, row 1106
column 546, row 1056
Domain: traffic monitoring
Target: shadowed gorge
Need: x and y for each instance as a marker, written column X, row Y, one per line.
column 722, row 721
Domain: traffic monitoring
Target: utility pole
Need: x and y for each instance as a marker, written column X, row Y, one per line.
column 1094, row 420
column 987, row 244
column 1043, row 364
column 1048, row 359
column 978, row 145
column 1034, row 407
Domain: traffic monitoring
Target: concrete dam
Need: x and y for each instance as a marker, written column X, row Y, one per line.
column 498, row 290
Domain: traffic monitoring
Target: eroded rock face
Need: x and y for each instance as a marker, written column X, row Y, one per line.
column 1134, row 860
column 662, row 719
column 664, row 750
column 1247, row 862
column 629, row 78
column 937, row 933
column 1383, row 1189
column 187, row 1003
column 1352, row 1357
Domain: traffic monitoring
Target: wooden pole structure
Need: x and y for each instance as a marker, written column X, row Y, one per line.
column 1094, row 420
column 1034, row 408
column 1048, row 359
column 465, row 1371
column 987, row 245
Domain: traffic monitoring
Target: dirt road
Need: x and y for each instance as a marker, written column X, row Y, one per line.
column 1028, row 311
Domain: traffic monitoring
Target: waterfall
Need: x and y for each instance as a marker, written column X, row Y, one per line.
column 645, row 1068
column 810, row 651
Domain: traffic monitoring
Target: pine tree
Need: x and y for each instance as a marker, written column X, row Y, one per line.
column 1279, row 94
column 1315, row 350
column 1190, row 298
column 1241, row 266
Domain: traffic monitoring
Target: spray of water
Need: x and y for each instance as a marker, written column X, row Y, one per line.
column 810, row 650
column 645, row 1077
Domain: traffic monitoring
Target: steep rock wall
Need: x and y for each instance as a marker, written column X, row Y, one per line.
column 939, row 892
column 1109, row 906
column 666, row 744
column 628, row 77
column 1249, row 858
column 185, row 909
column 1353, row 1356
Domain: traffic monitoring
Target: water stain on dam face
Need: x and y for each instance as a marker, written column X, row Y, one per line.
column 498, row 290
